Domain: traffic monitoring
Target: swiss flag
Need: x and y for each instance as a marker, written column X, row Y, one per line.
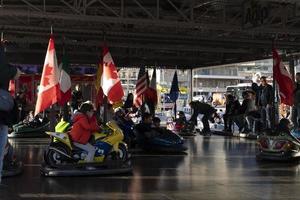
column 49, row 86
column 284, row 80
column 110, row 82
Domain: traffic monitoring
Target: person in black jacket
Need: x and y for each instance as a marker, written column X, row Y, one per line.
column 232, row 107
column 77, row 98
column 208, row 114
column 296, row 106
column 265, row 102
column 7, row 72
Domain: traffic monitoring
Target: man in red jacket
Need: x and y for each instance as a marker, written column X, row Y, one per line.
column 84, row 125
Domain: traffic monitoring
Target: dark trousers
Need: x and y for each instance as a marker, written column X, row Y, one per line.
column 227, row 121
column 204, row 120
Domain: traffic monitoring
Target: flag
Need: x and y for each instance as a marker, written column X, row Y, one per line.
column 12, row 87
column 141, row 87
column 99, row 91
column 64, row 82
column 174, row 92
column 284, row 79
column 110, row 82
column 151, row 93
column 49, row 85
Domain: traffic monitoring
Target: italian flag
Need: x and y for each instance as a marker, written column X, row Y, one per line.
column 49, row 86
column 64, row 82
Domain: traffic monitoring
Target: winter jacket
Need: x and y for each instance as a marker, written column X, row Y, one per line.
column 83, row 128
column 257, row 90
column 248, row 105
column 200, row 108
column 266, row 95
column 232, row 108
column 7, row 72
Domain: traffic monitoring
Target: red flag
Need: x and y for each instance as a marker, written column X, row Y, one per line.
column 49, row 86
column 284, row 80
column 12, row 87
column 151, row 93
column 110, row 82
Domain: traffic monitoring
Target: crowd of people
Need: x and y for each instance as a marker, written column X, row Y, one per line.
column 256, row 107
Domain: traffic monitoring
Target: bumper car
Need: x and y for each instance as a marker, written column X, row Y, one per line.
column 11, row 167
column 278, row 147
column 185, row 130
column 166, row 142
column 62, row 158
column 30, row 129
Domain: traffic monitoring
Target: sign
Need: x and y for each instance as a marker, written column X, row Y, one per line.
column 255, row 13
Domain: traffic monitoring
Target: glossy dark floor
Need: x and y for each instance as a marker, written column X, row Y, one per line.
column 213, row 168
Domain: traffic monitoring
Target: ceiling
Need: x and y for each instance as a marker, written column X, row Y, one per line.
column 170, row 33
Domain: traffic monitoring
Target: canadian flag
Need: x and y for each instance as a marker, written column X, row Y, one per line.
column 284, row 80
column 48, row 90
column 110, row 82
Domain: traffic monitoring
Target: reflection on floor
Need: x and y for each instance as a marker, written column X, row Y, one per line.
column 214, row 168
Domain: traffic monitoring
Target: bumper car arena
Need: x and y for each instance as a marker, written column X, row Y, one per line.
column 149, row 100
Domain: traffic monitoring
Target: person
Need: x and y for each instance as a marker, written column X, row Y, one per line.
column 84, row 125
column 181, row 120
column 284, row 126
column 7, row 72
column 296, row 106
column 207, row 110
column 128, row 105
column 145, row 129
column 266, row 99
column 22, row 103
column 77, row 98
column 232, row 106
column 248, row 105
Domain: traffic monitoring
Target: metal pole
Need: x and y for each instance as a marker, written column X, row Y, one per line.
column 275, row 113
column 292, row 72
column 191, row 85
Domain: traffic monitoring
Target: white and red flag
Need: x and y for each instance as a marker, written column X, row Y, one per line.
column 284, row 80
column 110, row 82
column 64, row 82
column 49, row 86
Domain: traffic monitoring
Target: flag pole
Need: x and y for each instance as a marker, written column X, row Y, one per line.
column 175, row 103
column 65, row 109
column 105, row 102
column 52, row 110
column 275, row 113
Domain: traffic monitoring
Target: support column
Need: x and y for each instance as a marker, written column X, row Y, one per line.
column 191, row 85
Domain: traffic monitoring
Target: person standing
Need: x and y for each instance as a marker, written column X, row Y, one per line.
column 77, row 98
column 296, row 106
column 7, row 72
column 266, row 101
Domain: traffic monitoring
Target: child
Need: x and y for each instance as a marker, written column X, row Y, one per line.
column 84, row 124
